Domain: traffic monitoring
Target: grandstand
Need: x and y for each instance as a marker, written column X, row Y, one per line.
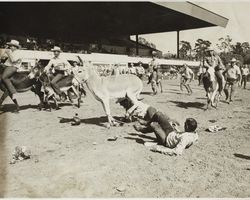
column 102, row 36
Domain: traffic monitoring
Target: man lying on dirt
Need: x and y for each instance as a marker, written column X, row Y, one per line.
column 172, row 141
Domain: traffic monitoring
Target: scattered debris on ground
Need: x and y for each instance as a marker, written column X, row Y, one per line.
column 20, row 153
column 215, row 128
column 113, row 138
column 76, row 120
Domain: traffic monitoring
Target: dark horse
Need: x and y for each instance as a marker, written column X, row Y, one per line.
column 23, row 83
column 68, row 85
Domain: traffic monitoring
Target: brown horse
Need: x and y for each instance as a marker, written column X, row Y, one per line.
column 23, row 83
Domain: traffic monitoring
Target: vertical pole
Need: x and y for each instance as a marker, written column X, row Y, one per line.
column 137, row 50
column 178, row 41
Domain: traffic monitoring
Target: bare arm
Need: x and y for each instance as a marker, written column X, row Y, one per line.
column 48, row 66
column 14, row 60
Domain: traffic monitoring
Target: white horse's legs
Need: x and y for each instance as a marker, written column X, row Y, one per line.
column 111, row 120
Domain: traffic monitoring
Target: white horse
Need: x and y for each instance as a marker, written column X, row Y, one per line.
column 106, row 88
column 211, row 86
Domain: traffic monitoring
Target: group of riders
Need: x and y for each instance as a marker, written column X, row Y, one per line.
column 57, row 69
column 219, row 77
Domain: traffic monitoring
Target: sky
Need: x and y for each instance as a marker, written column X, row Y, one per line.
column 238, row 27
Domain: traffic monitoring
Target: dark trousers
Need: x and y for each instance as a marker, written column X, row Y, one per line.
column 185, row 83
column 231, row 83
column 54, row 81
column 244, row 81
column 7, row 74
column 160, row 125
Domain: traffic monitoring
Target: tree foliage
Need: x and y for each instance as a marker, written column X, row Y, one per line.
column 185, row 50
column 225, row 44
column 143, row 41
column 200, row 47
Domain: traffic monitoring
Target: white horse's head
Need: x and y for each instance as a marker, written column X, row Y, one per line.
column 84, row 71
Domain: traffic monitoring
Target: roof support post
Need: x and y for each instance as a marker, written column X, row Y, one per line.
column 137, row 47
column 178, row 44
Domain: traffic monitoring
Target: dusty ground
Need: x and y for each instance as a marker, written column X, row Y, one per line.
column 79, row 161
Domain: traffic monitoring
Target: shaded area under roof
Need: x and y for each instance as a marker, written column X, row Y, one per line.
column 75, row 21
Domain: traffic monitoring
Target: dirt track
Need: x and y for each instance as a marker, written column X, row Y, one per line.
column 79, row 161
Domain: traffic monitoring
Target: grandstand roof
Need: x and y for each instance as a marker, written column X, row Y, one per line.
column 78, row 20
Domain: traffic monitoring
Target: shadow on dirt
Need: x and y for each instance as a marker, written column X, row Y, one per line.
column 242, row 156
column 202, row 98
column 99, row 121
column 138, row 140
column 146, row 93
column 142, row 136
column 174, row 92
column 187, row 105
column 11, row 108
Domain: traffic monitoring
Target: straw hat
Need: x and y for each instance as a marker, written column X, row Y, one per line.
column 233, row 60
column 56, row 48
column 14, row 43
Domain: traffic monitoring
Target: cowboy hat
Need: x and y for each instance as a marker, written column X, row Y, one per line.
column 233, row 60
column 14, row 43
column 56, row 48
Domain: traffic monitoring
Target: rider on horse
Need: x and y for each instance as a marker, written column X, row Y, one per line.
column 61, row 67
column 214, row 61
column 12, row 65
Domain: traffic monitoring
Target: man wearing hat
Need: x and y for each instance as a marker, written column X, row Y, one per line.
column 140, row 70
column 132, row 69
column 231, row 74
column 60, row 66
column 12, row 64
column 245, row 72
column 214, row 61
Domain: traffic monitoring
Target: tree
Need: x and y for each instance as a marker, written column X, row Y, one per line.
column 245, row 46
column 200, row 47
column 225, row 44
column 185, row 48
column 143, row 41
column 237, row 49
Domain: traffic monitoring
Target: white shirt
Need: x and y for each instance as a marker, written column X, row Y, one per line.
column 233, row 72
column 141, row 109
column 132, row 70
column 245, row 71
column 17, row 60
column 188, row 73
column 177, row 142
column 58, row 63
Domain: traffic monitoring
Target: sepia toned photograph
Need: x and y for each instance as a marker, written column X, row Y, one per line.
column 108, row 99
